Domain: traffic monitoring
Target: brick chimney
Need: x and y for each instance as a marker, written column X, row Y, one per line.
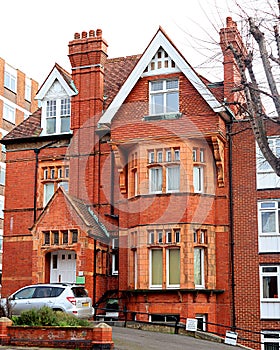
column 87, row 55
column 231, row 35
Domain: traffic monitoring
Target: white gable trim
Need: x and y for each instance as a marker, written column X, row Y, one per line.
column 54, row 75
column 160, row 40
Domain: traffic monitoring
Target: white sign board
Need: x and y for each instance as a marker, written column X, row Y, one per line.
column 231, row 338
column 191, row 324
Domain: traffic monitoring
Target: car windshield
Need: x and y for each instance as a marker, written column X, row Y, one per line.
column 79, row 292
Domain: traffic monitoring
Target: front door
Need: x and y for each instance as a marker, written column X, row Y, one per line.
column 63, row 266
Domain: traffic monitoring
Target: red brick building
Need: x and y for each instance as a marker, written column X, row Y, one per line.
column 125, row 184
column 17, row 92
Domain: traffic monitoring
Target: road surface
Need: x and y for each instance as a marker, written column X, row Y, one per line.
column 134, row 339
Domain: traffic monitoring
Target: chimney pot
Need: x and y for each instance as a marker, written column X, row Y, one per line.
column 91, row 33
column 98, row 32
column 77, row 36
column 84, row 35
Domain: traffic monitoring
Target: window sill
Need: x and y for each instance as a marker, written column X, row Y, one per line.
column 169, row 116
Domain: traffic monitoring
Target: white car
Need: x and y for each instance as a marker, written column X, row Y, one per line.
column 70, row 298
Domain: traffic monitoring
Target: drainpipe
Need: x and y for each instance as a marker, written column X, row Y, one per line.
column 94, row 277
column 36, row 151
column 229, row 127
column 112, row 194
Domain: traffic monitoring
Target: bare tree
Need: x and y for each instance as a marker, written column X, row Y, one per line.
column 260, row 52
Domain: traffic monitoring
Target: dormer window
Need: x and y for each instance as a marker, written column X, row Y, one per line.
column 58, row 116
column 55, row 97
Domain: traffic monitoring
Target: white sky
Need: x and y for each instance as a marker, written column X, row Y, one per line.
column 35, row 34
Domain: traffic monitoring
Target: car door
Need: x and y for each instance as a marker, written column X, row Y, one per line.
column 22, row 300
column 42, row 297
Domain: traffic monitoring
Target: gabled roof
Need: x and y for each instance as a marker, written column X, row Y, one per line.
column 63, row 77
column 160, row 40
column 89, row 219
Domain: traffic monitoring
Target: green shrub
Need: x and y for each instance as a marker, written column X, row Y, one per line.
column 47, row 317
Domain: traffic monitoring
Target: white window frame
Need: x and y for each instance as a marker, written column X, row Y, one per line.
column 154, row 286
column 48, row 195
column 270, row 274
column 10, row 78
column 157, row 186
column 269, row 207
column 168, row 236
column 163, row 93
column 53, row 109
column 115, row 245
column 2, row 199
column 151, row 237
column 201, row 266
column 168, row 155
column 1, row 240
column 269, row 306
column 9, row 113
column 2, row 173
column 115, row 269
column 203, row 318
column 270, row 337
column 28, row 85
column 168, row 284
column 159, row 156
column 174, row 187
column 135, row 268
column 266, row 177
column 198, row 179
column 151, row 157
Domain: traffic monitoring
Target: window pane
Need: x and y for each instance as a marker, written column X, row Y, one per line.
column 156, row 85
column 271, row 346
column 270, row 288
column 268, row 222
column 172, row 84
column 197, row 178
column 198, row 267
column 156, row 267
column 172, row 102
column 65, row 124
column 48, row 192
column 157, row 104
column 50, row 125
column 51, row 108
column 174, row 266
column 156, row 179
column 173, row 178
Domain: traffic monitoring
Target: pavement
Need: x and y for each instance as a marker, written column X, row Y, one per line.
column 135, row 339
